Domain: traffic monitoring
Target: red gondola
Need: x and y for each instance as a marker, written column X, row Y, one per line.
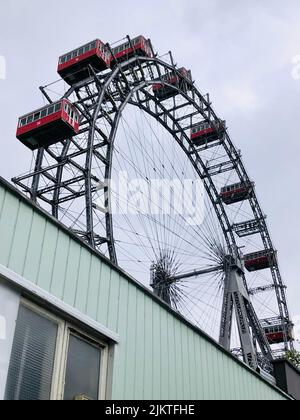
column 260, row 260
column 275, row 331
column 48, row 125
column 73, row 66
column 138, row 46
column 237, row 192
column 163, row 91
column 207, row 132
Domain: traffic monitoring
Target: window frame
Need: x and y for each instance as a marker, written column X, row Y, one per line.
column 69, row 330
column 64, row 331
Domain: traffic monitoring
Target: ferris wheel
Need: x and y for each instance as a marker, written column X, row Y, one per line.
column 133, row 159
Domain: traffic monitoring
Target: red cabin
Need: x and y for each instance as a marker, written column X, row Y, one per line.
column 49, row 125
column 73, row 66
column 237, row 192
column 178, row 79
column 275, row 331
column 260, row 260
column 139, row 46
column 207, row 132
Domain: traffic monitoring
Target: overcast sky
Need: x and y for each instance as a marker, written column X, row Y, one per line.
column 240, row 52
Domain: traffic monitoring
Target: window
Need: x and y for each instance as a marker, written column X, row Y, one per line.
column 22, row 122
column 32, row 360
column 36, row 116
column 44, row 113
column 57, row 107
column 83, row 369
column 93, row 45
column 50, row 110
column 53, row 360
column 29, row 119
column 69, row 56
column 80, row 51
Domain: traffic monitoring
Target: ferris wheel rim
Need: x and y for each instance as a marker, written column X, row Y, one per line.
column 219, row 207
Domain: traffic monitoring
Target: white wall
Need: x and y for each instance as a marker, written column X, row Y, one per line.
column 9, row 307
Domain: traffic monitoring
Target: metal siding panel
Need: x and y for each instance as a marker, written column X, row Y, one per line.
column 93, row 288
column 248, row 391
column 199, row 368
column 83, row 280
column 9, row 218
column 131, row 344
column 20, row 239
column 72, row 273
column 34, row 248
column 235, row 370
column 214, row 374
column 179, row 360
column 259, row 393
column 119, row 374
column 140, row 347
column 185, row 354
column 148, row 359
column 206, row 370
column 250, row 394
column 104, row 294
column 47, row 258
column 113, row 306
column 223, row 387
column 210, row 388
column 60, row 265
column 164, row 373
column 192, row 364
column 156, row 353
column 222, row 376
column 231, row 383
column 2, row 198
column 171, row 357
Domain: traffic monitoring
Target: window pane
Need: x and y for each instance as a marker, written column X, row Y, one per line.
column 29, row 119
column 50, row 110
column 32, row 360
column 44, row 113
column 83, row 369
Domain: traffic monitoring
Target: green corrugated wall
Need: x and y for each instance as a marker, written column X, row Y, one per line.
column 159, row 356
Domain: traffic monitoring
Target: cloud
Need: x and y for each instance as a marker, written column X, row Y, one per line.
column 241, row 96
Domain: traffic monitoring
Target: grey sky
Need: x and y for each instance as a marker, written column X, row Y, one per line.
column 240, row 52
